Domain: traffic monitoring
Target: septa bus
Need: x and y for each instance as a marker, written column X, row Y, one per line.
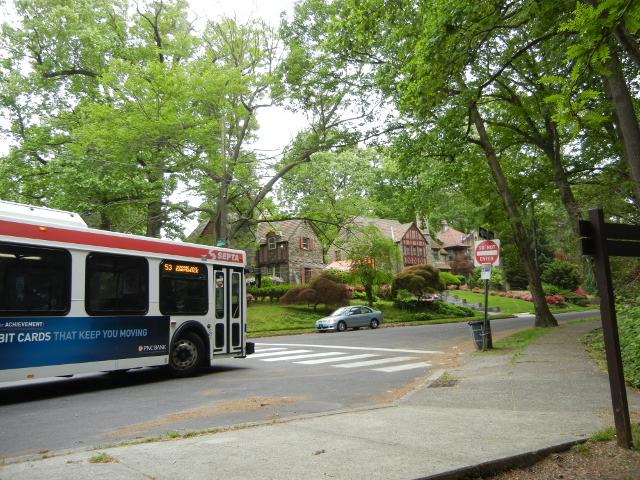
column 75, row 299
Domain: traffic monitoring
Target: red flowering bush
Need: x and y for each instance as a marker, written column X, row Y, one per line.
column 554, row 299
column 581, row 293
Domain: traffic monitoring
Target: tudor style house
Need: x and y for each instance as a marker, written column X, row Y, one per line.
column 288, row 250
column 416, row 246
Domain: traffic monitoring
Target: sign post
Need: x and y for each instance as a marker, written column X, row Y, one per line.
column 487, row 254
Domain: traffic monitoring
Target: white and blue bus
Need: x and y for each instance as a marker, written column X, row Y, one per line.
column 77, row 300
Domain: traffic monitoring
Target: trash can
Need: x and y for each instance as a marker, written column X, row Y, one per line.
column 477, row 330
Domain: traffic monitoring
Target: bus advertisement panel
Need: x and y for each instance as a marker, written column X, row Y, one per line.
column 39, row 341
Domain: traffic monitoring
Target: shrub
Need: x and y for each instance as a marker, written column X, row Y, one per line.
column 453, row 310
column 422, row 316
column 405, row 300
column 447, row 279
column 550, row 289
column 324, row 288
column 576, row 299
column 562, row 274
column 554, row 299
column 417, row 279
column 273, row 292
column 496, row 282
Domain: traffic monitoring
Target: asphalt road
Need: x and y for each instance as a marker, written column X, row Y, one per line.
column 289, row 376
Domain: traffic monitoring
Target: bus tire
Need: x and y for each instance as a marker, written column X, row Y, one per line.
column 186, row 355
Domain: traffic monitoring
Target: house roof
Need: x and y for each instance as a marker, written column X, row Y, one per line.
column 392, row 229
column 285, row 229
column 452, row 238
column 342, row 265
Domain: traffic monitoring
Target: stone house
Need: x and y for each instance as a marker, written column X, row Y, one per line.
column 416, row 246
column 288, row 250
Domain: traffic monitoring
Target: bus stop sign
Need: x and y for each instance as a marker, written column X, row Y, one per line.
column 487, row 252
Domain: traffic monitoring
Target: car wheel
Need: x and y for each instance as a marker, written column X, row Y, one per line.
column 374, row 323
column 341, row 326
column 186, row 355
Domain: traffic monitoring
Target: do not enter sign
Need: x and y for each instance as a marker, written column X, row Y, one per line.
column 487, row 252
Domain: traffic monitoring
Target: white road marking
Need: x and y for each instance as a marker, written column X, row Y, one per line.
column 272, row 354
column 406, row 366
column 369, row 363
column 337, row 359
column 307, row 355
column 260, row 350
column 341, row 347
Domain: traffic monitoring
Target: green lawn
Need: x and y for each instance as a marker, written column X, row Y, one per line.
column 510, row 305
column 265, row 318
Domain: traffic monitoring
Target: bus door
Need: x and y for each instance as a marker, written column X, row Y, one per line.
column 228, row 305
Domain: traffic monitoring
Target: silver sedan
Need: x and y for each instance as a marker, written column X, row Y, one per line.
column 350, row 317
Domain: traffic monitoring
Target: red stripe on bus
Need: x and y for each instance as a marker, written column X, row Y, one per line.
column 77, row 237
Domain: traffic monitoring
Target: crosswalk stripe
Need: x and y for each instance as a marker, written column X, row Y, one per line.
column 272, row 354
column 406, row 366
column 336, row 359
column 306, row 355
column 261, row 350
column 346, row 347
column 368, row 363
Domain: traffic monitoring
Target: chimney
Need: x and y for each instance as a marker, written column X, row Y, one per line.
column 445, row 225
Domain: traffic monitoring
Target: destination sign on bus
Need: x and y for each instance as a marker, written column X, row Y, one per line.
column 184, row 268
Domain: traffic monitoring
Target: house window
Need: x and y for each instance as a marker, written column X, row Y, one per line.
column 307, row 275
column 271, row 243
column 305, row 244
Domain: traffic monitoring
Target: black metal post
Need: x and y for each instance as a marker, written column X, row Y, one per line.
column 610, row 330
column 485, row 325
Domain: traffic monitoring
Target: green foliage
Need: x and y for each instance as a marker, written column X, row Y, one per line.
column 272, row 292
column 373, row 258
column 448, row 309
column 417, row 279
column 447, row 279
column 496, row 282
column 562, row 274
column 629, row 333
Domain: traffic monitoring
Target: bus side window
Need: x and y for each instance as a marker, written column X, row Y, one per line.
column 34, row 280
column 219, row 293
column 116, row 285
column 183, row 288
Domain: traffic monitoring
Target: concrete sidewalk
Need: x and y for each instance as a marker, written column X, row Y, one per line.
column 553, row 393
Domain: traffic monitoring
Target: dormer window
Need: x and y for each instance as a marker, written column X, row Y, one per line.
column 271, row 243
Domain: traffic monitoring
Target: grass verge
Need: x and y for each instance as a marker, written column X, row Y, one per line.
column 102, row 458
column 511, row 305
column 516, row 343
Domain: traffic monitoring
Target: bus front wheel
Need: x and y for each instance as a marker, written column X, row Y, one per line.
column 186, row 354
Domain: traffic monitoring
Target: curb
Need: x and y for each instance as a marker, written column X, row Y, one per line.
column 494, row 467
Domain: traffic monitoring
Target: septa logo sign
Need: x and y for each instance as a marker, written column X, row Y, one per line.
column 225, row 256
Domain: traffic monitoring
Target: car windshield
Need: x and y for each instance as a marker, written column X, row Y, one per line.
column 340, row 311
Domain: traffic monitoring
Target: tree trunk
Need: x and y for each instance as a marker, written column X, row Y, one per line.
column 154, row 219
column 222, row 219
column 625, row 119
column 544, row 318
column 368, row 290
column 554, row 154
